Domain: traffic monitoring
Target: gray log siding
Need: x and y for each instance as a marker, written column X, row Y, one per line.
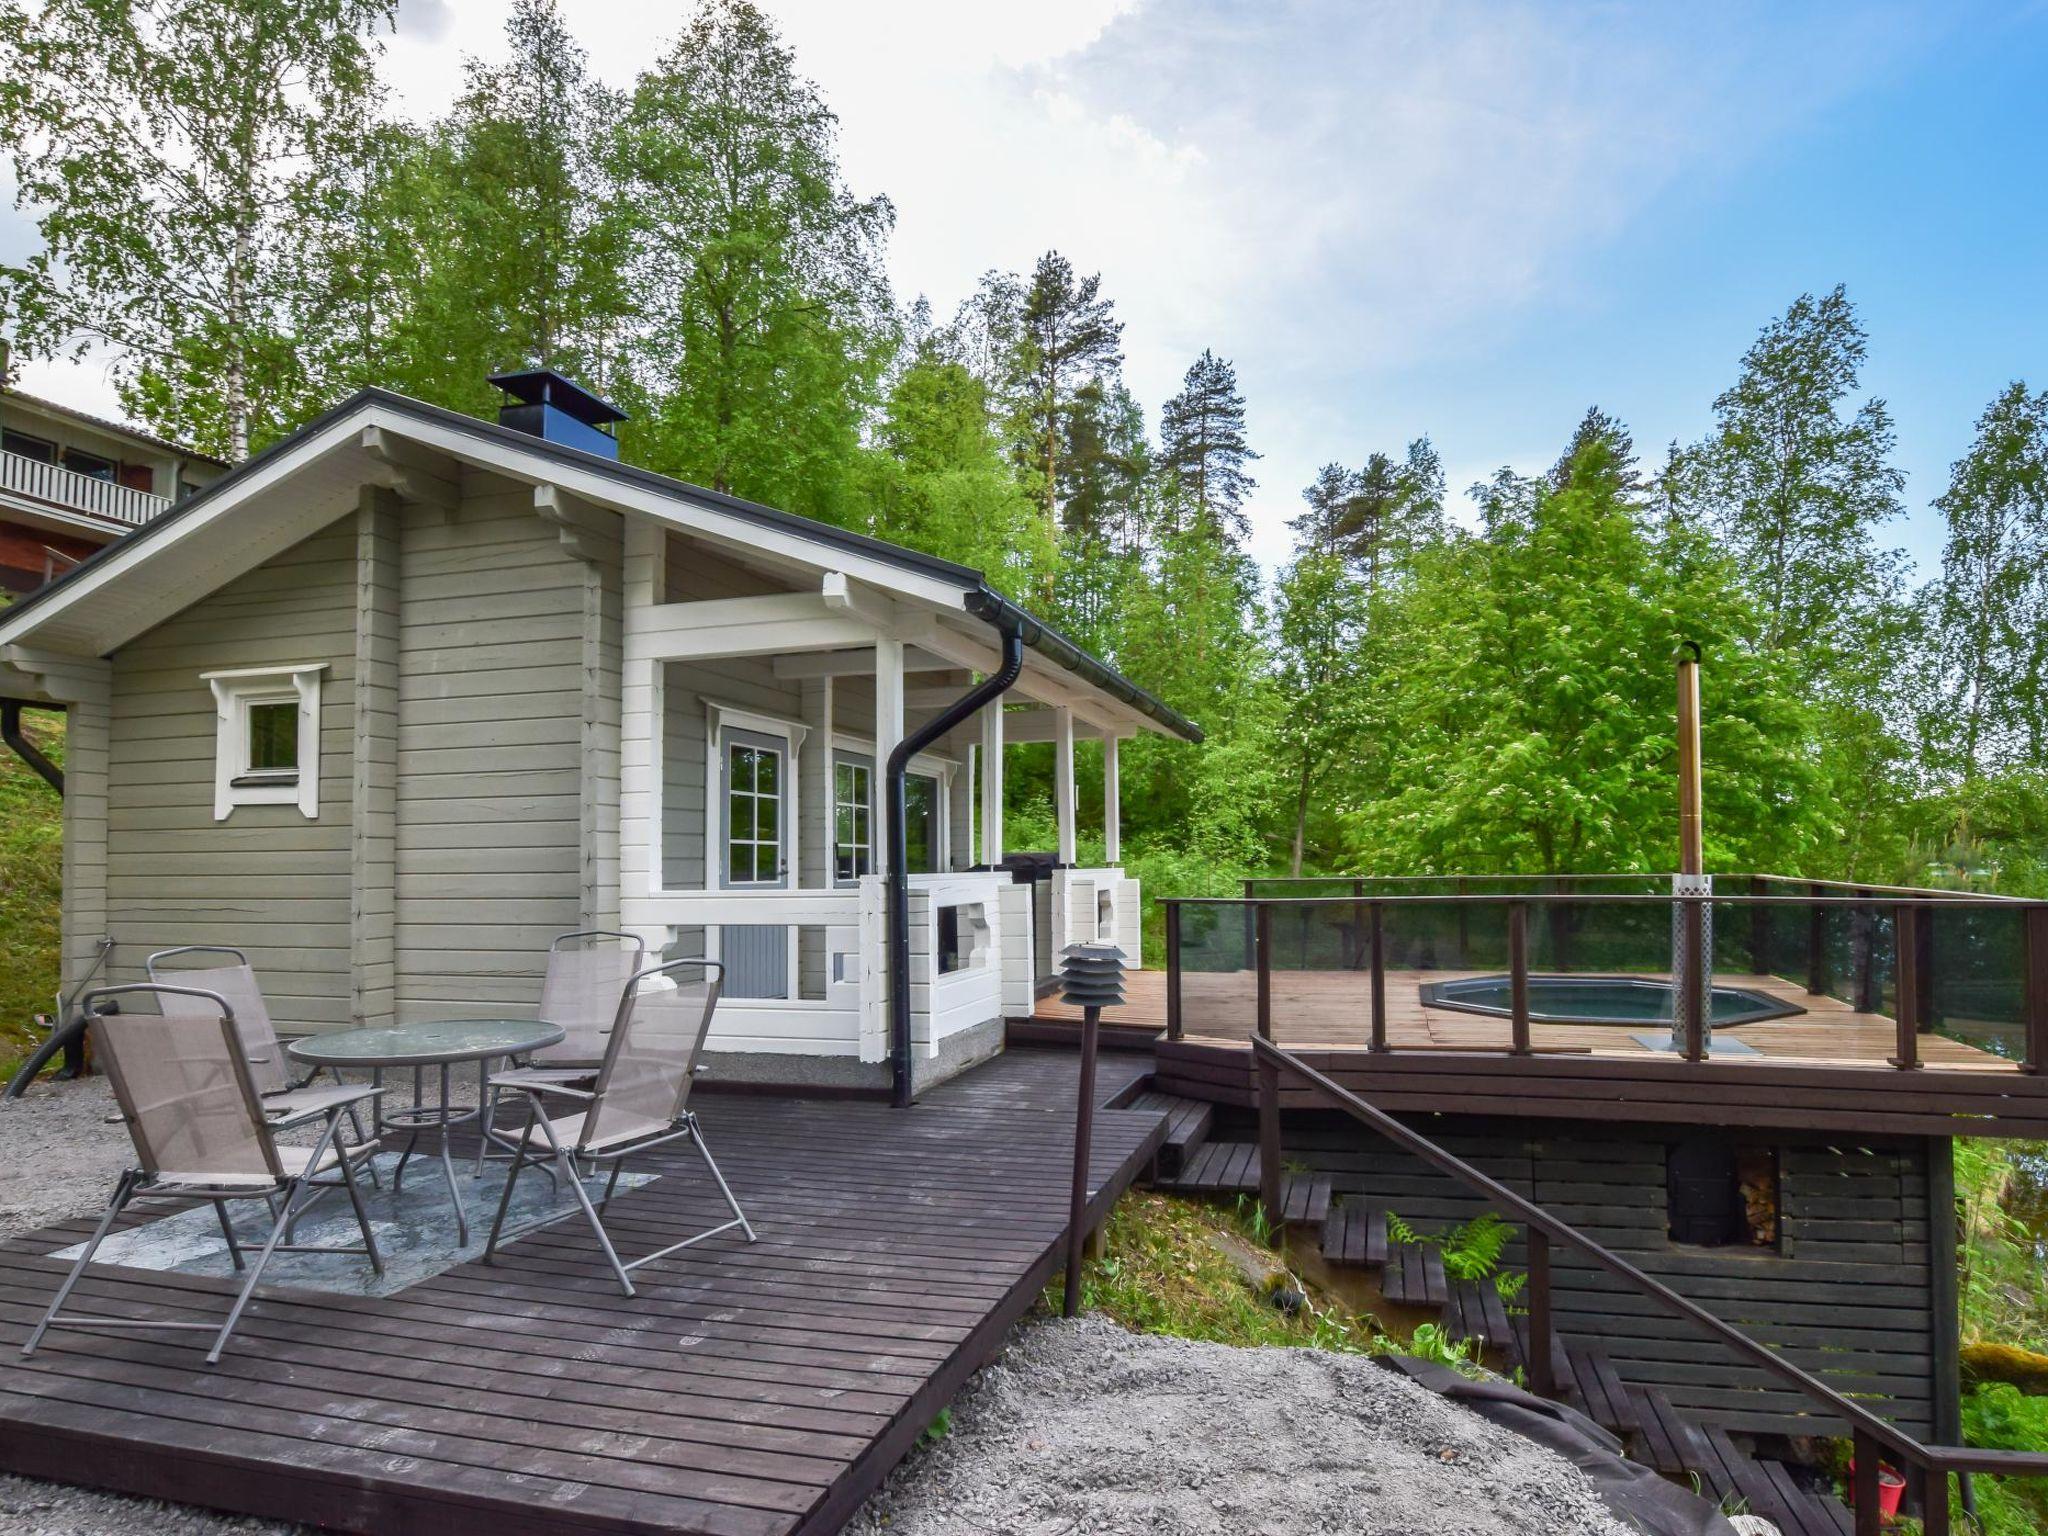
column 374, row 853
column 82, row 920
column 1847, row 1295
column 266, row 879
column 603, row 544
column 492, row 698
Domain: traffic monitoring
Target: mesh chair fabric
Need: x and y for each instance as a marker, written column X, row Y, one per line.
column 237, row 983
column 581, row 994
column 646, row 1077
column 191, row 1118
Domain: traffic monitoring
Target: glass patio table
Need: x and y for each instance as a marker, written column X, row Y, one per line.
column 441, row 1044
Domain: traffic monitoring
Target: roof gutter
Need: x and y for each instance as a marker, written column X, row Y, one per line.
column 987, row 603
column 1011, row 625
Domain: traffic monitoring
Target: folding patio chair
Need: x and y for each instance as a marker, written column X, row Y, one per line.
column 580, row 992
column 269, row 1066
column 639, row 1102
column 201, row 1132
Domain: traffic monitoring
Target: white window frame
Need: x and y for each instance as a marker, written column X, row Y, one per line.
column 925, row 765
column 234, row 691
column 865, row 766
column 717, row 716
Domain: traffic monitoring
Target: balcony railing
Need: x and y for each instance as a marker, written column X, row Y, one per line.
column 66, row 488
column 1908, row 978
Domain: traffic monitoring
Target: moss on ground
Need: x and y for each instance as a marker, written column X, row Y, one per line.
column 31, row 885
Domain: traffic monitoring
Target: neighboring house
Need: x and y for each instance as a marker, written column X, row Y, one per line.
column 71, row 483
column 409, row 694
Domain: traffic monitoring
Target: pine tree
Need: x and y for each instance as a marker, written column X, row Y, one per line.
column 173, row 152
column 1619, row 460
column 1202, row 446
column 1378, row 517
column 1065, row 338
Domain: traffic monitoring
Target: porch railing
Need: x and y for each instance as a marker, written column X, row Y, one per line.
column 67, row 488
column 1869, row 947
column 1872, row 1435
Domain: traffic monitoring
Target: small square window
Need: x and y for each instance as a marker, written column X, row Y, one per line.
column 267, row 744
column 274, row 737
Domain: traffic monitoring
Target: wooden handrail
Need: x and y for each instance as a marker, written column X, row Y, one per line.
column 1870, row 1432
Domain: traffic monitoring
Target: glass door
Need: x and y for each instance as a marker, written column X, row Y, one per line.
column 755, row 856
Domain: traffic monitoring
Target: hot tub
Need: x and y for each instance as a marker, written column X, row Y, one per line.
column 1630, row 1001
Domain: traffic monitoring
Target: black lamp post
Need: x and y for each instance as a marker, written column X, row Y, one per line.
column 1091, row 979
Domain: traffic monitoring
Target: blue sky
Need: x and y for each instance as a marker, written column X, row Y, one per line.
column 1462, row 218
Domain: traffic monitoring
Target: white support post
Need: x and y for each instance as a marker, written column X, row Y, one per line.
column 888, row 732
column 1112, row 809
column 1063, row 782
column 992, row 783
column 641, row 719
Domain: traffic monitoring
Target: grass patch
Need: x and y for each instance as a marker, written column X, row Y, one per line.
column 31, row 887
column 1164, row 1271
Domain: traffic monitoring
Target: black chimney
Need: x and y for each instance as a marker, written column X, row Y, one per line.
column 543, row 404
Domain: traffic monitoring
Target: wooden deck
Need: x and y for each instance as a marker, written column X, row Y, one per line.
column 1331, row 1010
column 748, row 1390
column 1825, row 1070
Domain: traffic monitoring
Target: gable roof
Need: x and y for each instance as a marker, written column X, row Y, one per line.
column 943, row 580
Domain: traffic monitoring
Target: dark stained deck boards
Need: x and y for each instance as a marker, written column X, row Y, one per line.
column 749, row 1390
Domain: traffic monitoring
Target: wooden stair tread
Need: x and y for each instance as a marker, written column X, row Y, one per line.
column 1415, row 1276
column 1603, row 1388
column 1475, row 1311
column 1232, row 1168
column 1813, row 1513
column 1188, row 1122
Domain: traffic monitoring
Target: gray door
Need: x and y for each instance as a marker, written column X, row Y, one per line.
column 754, row 856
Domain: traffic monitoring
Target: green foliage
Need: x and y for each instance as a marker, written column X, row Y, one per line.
column 757, row 278
column 940, row 1427
column 1526, row 703
column 1797, row 480
column 2001, row 1294
column 1165, row 1271
column 1432, row 1342
column 1203, row 450
column 1990, row 604
column 178, row 154
column 1471, row 1250
column 2000, row 1417
column 31, row 881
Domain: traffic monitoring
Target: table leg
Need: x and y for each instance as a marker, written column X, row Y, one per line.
column 448, row 1166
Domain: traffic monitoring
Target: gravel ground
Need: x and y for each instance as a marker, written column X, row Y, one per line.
column 1082, row 1427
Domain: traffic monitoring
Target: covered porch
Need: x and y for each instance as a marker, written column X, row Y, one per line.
column 761, row 703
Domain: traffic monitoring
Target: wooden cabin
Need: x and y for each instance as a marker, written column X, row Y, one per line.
column 409, row 694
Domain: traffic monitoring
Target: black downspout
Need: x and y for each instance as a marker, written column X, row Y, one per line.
column 10, row 732
column 988, row 689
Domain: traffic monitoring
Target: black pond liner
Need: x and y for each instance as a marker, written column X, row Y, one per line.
column 1638, row 1496
column 1550, row 1000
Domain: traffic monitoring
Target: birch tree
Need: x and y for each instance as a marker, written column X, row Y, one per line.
column 169, row 150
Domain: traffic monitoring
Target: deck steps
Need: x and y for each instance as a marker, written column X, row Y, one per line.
column 1221, row 1169
column 1188, row 1123
column 1353, row 1234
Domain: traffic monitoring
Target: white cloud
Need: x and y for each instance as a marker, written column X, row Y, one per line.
column 1324, row 191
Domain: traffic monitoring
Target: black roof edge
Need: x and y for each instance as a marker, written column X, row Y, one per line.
column 981, row 599
column 987, row 603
